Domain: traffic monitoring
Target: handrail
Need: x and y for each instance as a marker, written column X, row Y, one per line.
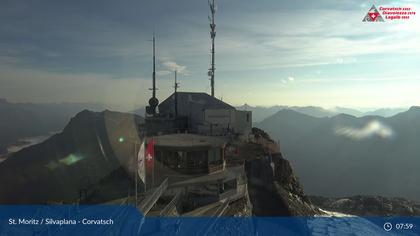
column 146, row 205
column 221, row 209
column 171, row 205
column 212, row 220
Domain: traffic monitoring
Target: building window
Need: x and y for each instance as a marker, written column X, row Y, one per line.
column 247, row 117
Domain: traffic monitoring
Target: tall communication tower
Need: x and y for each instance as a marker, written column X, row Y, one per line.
column 213, row 9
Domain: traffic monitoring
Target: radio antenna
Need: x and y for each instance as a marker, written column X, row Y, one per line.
column 212, row 69
column 153, row 101
column 176, row 86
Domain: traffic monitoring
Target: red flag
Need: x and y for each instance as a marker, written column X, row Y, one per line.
column 150, row 155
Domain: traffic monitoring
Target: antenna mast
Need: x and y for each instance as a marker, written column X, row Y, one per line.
column 153, row 101
column 154, row 67
column 212, row 35
column 176, row 86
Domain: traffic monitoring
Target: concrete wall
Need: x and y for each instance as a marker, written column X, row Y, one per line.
column 204, row 117
column 219, row 116
column 243, row 122
column 221, row 121
column 217, row 121
column 194, row 112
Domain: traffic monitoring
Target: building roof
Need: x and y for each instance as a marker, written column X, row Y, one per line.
column 188, row 140
column 201, row 99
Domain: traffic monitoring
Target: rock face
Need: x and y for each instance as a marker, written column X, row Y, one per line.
column 274, row 190
column 68, row 163
column 273, row 187
column 369, row 205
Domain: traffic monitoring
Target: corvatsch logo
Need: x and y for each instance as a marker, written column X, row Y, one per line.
column 373, row 15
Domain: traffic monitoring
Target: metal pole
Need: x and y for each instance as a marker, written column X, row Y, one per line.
column 176, row 95
column 135, row 174
column 153, row 168
column 153, row 172
column 145, row 167
column 213, row 35
column 176, row 84
column 154, row 66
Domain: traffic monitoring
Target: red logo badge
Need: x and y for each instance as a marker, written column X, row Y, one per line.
column 373, row 15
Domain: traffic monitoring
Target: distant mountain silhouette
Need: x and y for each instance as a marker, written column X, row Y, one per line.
column 313, row 111
column 349, row 111
column 386, row 112
column 345, row 155
column 21, row 120
column 260, row 113
column 78, row 158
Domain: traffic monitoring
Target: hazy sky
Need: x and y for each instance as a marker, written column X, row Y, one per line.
column 268, row 52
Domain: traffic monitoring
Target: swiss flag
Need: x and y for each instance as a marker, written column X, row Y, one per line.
column 150, row 155
column 373, row 15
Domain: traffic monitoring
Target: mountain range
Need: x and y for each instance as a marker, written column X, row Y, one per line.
column 334, row 154
column 22, row 120
column 259, row 113
column 26, row 120
column 344, row 155
column 92, row 147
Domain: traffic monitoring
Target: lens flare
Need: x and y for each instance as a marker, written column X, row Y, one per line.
column 373, row 128
column 70, row 159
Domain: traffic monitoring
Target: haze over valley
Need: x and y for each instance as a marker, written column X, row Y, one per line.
column 345, row 155
column 322, row 144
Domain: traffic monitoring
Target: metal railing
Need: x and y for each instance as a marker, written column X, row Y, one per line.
column 174, row 202
column 214, row 218
column 146, row 205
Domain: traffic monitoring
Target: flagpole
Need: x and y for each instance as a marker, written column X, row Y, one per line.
column 135, row 173
column 153, row 173
column 145, row 171
column 153, row 169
